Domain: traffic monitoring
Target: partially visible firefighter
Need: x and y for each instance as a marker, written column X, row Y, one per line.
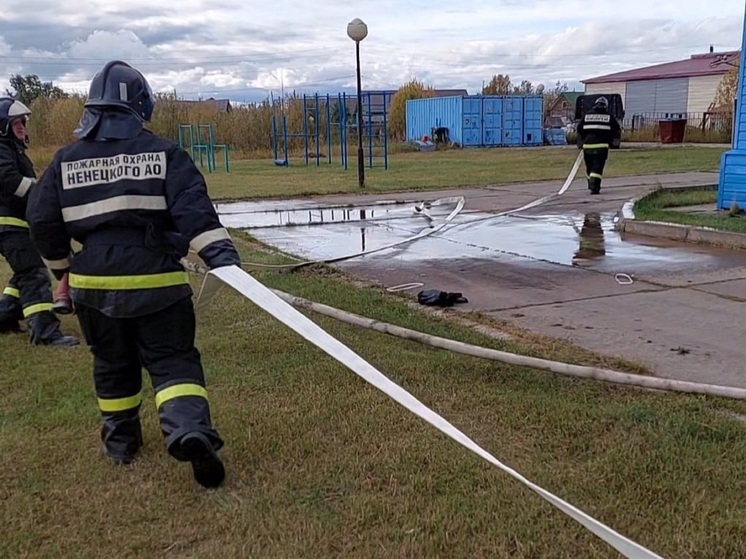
column 28, row 294
column 597, row 130
column 136, row 203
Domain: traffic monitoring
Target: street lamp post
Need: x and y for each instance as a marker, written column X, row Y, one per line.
column 357, row 31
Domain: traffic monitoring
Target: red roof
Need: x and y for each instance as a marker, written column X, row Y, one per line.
column 710, row 64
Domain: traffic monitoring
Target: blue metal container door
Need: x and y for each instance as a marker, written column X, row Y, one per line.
column 423, row 115
column 492, row 130
column 472, row 121
column 416, row 120
column 512, row 120
column 533, row 113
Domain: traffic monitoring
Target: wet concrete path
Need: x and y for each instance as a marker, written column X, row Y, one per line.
column 554, row 269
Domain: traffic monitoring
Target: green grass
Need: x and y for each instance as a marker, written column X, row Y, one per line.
column 445, row 169
column 322, row 465
column 655, row 207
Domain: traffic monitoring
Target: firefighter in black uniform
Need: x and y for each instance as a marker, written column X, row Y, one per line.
column 136, row 202
column 597, row 129
column 29, row 292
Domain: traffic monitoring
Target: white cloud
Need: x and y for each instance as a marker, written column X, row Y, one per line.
column 242, row 48
column 107, row 44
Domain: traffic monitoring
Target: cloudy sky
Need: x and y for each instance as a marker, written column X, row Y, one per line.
column 243, row 49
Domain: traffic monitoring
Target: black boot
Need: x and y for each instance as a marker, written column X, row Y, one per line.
column 11, row 314
column 9, row 326
column 122, row 436
column 207, row 467
column 44, row 329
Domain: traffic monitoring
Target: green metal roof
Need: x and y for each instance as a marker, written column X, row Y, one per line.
column 572, row 96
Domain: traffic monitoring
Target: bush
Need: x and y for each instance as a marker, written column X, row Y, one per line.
column 397, row 119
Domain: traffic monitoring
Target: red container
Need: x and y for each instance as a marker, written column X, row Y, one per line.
column 672, row 130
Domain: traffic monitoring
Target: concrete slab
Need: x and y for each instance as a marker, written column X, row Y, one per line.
column 734, row 290
column 722, row 267
column 489, row 285
column 678, row 333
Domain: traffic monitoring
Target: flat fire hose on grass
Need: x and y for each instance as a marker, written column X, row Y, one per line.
column 264, row 298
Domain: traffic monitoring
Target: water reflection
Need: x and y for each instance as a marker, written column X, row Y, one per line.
column 590, row 239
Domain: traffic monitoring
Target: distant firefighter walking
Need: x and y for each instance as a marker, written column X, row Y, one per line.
column 597, row 129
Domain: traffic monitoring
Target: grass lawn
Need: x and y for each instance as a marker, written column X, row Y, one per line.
column 260, row 178
column 445, row 169
column 320, row 464
column 656, row 207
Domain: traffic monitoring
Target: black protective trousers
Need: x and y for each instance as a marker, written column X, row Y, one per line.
column 29, row 291
column 162, row 343
column 595, row 161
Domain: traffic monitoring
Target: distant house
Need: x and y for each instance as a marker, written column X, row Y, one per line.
column 684, row 86
column 563, row 107
column 221, row 105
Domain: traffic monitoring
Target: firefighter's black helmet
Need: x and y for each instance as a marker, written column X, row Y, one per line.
column 120, row 85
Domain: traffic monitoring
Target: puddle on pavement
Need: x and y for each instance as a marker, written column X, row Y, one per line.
column 276, row 214
column 585, row 240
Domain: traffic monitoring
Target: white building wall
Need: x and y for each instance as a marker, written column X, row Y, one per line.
column 608, row 88
column 702, row 91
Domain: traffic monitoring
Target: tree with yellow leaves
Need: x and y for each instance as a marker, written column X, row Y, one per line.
column 397, row 118
column 725, row 94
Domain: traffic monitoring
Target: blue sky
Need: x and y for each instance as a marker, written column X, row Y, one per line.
column 245, row 49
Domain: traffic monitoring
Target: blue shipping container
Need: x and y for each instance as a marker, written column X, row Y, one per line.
column 478, row 120
column 555, row 137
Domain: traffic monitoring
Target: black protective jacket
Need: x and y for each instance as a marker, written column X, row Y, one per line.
column 136, row 205
column 597, row 129
column 16, row 179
